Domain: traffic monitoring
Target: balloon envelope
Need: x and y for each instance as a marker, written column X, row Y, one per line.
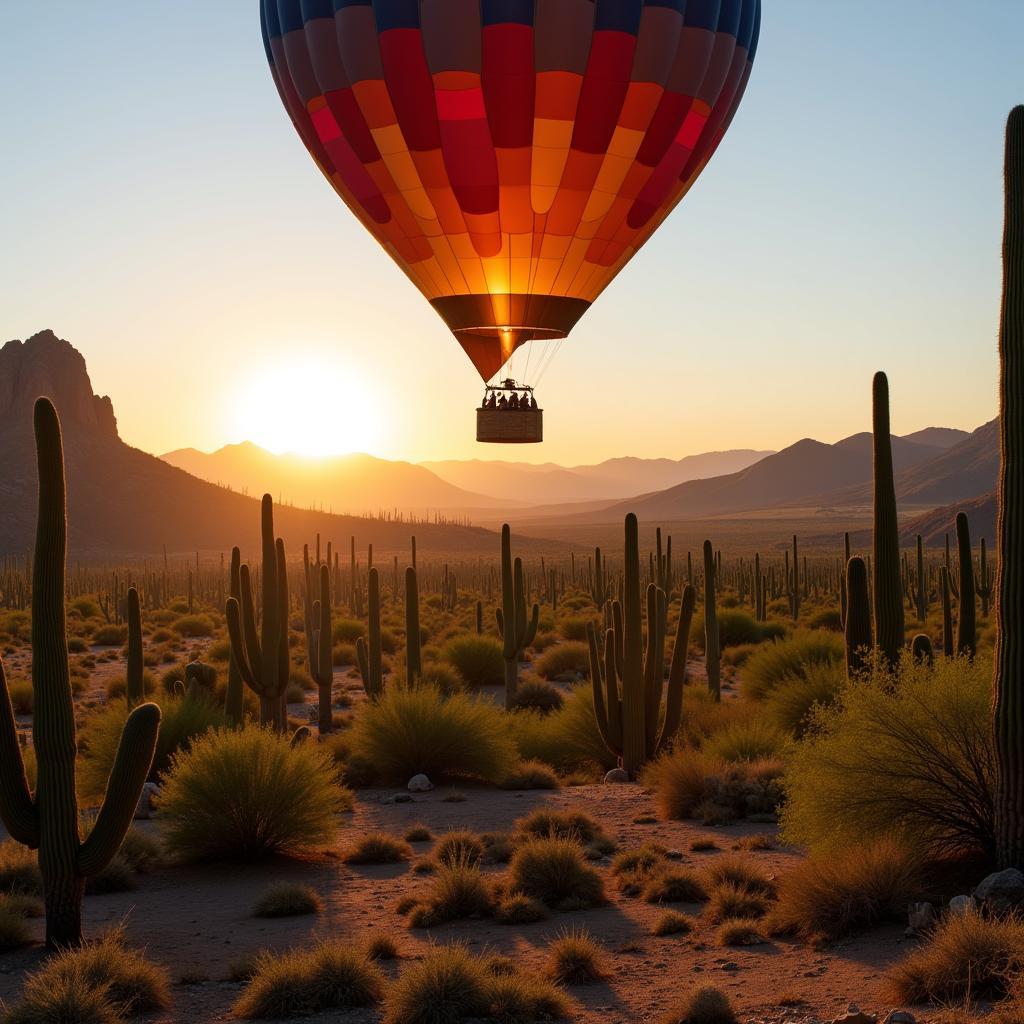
column 511, row 155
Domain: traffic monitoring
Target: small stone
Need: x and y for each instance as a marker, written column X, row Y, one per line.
column 920, row 917
column 901, row 1017
column 420, row 784
column 617, row 776
column 731, row 965
column 144, row 808
column 1001, row 892
column 960, row 905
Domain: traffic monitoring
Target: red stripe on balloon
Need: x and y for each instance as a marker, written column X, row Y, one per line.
column 411, row 86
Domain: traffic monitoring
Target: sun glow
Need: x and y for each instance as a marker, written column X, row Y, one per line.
column 313, row 408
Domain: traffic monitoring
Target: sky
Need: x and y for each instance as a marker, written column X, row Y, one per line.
column 158, row 211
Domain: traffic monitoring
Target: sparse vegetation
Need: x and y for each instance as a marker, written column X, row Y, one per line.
column 287, row 899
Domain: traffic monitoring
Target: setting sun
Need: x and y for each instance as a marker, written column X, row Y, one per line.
column 312, row 408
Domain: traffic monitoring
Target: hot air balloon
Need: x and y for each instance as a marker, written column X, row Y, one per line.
column 511, row 155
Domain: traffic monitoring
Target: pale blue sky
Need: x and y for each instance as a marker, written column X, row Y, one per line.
column 159, row 212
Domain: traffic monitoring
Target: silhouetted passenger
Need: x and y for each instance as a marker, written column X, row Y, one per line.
column 513, row 402
column 503, row 402
column 526, row 403
column 492, row 401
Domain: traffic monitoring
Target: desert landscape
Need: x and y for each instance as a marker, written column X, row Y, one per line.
column 702, row 704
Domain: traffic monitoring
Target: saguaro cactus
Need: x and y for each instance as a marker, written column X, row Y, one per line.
column 858, row 617
column 47, row 820
column 1009, row 651
column 919, row 587
column 234, row 702
column 628, row 719
column 135, row 685
column 712, row 644
column 368, row 653
column 321, row 653
column 888, row 586
column 413, row 657
column 517, row 632
column 262, row 655
column 967, row 619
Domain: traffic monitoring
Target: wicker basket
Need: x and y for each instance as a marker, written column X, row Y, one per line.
column 510, row 426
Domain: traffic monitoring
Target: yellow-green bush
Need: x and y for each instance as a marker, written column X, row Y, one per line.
column 788, row 659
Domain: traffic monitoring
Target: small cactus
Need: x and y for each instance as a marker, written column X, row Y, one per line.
column 368, row 650
column 517, row 632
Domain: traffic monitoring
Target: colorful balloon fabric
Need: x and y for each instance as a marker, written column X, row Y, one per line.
column 511, row 155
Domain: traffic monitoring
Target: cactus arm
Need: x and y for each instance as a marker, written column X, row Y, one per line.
column 373, row 637
column 712, row 649
column 617, row 627
column 132, row 763
column 364, row 664
column 613, row 701
column 499, row 621
column 270, row 634
column 17, row 811
column 508, row 605
column 633, row 713
column 597, row 686
column 531, row 629
column 250, row 650
column 135, row 687
column 653, row 681
column 233, row 615
column 325, row 653
column 677, row 669
column 966, row 627
column 858, row 617
column 413, row 662
column 283, row 654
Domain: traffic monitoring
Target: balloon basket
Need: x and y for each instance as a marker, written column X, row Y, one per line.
column 510, row 426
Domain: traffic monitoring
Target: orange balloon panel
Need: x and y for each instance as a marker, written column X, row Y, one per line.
column 511, row 155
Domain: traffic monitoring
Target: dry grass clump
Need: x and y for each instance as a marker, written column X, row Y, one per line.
column 672, row 923
column 672, row 884
column 382, row 947
column 101, row 982
column 570, row 660
column 704, row 1005
column 553, row 870
column 287, row 899
column 248, row 793
column 740, row 871
column 531, row 775
column 694, row 784
column 729, row 900
column 19, row 869
column 457, row 891
column 411, row 731
column 791, row 703
column 574, row 958
column 418, row 834
column 22, row 696
column 538, row 695
column 751, row 739
column 460, row 845
column 333, row 975
column 518, row 908
column 140, row 851
column 14, row 929
column 377, row 848
column 571, row 824
column 967, row 957
column 830, row 895
column 739, row 931
column 640, row 861
column 789, row 659
column 478, row 659
column 450, row 985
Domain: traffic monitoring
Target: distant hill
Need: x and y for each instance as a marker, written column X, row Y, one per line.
column 123, row 502
column 938, row 437
column 935, row 525
column 355, row 483
column 551, row 484
column 796, row 474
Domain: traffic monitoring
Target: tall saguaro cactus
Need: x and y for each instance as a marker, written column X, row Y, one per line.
column 321, row 653
column 47, row 820
column 517, row 632
column 628, row 719
column 262, row 654
column 413, row 652
column 888, row 584
column 368, row 653
column 1009, row 651
column 967, row 621
column 858, row 617
column 712, row 642
column 135, row 684
column 234, row 702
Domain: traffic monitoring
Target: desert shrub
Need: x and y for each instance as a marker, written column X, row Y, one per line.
column 347, row 631
column 458, row 890
column 343, row 655
column 749, row 739
column 739, row 931
column 728, row 900
column 966, row 957
column 791, row 701
column 538, row 695
column 445, row 678
column 478, row 659
column 735, row 628
column 912, row 757
column 518, row 908
column 377, row 848
column 418, row 834
column 704, row 1005
column 14, row 929
column 382, row 947
column 569, row 659
column 19, row 870
column 703, row 716
column 672, row 923
column 574, row 958
column 22, row 696
column 553, row 870
column 569, row 824
column 531, row 775
column 525, row 998
column 193, row 625
column 110, row 636
column 446, row 986
column 182, row 720
column 117, row 876
column 333, row 975
column 830, row 895
column 459, row 845
column 100, row 981
column 287, row 899
column 87, row 607
column 673, row 885
column 574, row 627
column 411, row 731
column 735, row 869
column 568, row 739
column 692, row 784
column 788, row 659
column 827, row 618
column 249, row 793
